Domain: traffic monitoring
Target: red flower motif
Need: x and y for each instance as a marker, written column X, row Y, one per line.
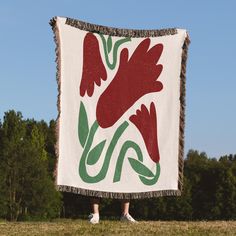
column 147, row 125
column 135, row 77
column 93, row 68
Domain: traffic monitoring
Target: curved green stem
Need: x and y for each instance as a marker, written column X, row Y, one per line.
column 115, row 49
column 82, row 164
column 128, row 144
column 102, row 173
column 151, row 181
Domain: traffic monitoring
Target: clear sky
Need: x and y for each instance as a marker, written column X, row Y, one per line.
column 27, row 67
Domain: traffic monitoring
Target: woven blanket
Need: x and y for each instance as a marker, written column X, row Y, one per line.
column 121, row 109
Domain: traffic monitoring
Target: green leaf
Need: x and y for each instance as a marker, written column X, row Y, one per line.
column 154, row 179
column 140, row 168
column 109, row 44
column 95, row 153
column 83, row 127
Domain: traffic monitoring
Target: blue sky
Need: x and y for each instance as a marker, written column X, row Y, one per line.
column 27, row 67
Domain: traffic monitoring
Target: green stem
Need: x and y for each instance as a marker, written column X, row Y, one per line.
column 115, row 49
column 102, row 173
column 128, row 144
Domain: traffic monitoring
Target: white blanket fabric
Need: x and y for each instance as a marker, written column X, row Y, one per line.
column 119, row 112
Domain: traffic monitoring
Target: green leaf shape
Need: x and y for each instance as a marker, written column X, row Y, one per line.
column 83, row 126
column 95, row 153
column 109, row 44
column 140, row 168
column 153, row 180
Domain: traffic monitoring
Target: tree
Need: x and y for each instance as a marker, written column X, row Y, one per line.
column 226, row 191
column 194, row 167
column 3, row 205
column 29, row 190
column 213, row 186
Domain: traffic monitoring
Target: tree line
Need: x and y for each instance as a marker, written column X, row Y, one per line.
column 27, row 190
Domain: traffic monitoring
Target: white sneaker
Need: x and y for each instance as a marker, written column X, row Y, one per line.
column 128, row 218
column 94, row 218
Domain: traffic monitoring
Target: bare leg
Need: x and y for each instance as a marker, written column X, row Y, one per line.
column 95, row 205
column 125, row 216
column 94, row 217
column 124, row 207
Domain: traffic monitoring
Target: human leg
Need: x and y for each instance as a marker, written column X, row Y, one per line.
column 94, row 216
column 125, row 206
column 95, row 205
column 125, row 216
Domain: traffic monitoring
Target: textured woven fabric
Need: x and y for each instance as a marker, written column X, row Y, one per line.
column 121, row 110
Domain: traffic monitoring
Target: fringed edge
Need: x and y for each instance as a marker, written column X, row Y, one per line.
column 115, row 195
column 53, row 23
column 182, row 111
column 125, row 33
column 134, row 33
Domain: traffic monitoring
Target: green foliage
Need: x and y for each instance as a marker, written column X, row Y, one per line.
column 213, row 186
column 27, row 188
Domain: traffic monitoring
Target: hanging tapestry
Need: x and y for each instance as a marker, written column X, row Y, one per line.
column 121, row 110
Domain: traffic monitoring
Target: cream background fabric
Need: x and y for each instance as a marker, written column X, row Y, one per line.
column 167, row 104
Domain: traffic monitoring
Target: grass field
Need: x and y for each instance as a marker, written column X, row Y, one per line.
column 82, row 227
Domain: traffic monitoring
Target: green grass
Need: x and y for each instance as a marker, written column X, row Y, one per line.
column 105, row 227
